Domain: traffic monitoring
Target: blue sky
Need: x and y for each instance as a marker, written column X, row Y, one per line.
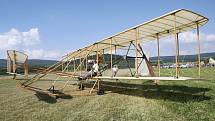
column 51, row 28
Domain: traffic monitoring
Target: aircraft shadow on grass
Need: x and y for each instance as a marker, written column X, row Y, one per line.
column 176, row 93
column 43, row 96
column 48, row 96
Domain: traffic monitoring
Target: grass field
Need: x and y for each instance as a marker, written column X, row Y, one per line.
column 130, row 100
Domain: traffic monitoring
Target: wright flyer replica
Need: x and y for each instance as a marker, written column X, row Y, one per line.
column 105, row 52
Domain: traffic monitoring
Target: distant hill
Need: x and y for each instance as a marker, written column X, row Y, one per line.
column 183, row 58
column 32, row 62
column 38, row 62
column 3, row 63
column 165, row 59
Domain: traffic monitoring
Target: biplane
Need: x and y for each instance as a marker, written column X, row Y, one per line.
column 170, row 24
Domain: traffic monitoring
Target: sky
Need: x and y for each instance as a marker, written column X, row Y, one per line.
column 48, row 29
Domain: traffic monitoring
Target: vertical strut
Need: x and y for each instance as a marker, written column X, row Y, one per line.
column 97, row 53
column 176, row 48
column 158, row 47
column 198, row 37
column 62, row 66
column 111, row 56
column 8, row 63
column 26, row 68
column 67, row 60
column 14, row 64
column 136, row 44
column 178, row 53
column 86, row 63
column 74, row 65
column 115, row 53
column 80, row 66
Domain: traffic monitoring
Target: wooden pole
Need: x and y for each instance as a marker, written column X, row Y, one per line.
column 93, row 86
column 26, row 67
column 67, row 60
column 80, row 66
column 14, row 64
column 86, row 64
column 8, row 63
column 178, row 53
column 97, row 53
column 136, row 50
column 111, row 56
column 176, row 48
column 103, row 55
column 74, row 65
column 97, row 59
column 62, row 67
column 98, row 85
column 158, row 49
column 115, row 52
column 199, row 58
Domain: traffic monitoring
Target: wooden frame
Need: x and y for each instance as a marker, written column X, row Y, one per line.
column 13, row 58
column 166, row 25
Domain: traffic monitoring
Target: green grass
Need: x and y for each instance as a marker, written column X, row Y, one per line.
column 130, row 100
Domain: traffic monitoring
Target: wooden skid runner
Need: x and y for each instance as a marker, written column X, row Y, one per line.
column 139, row 78
column 146, row 78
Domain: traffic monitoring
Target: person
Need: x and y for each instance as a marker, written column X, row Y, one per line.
column 93, row 72
column 114, row 70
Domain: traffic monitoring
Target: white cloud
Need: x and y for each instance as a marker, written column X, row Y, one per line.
column 17, row 39
column 210, row 37
column 189, row 37
column 31, row 37
column 187, row 44
column 43, row 54
column 26, row 41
